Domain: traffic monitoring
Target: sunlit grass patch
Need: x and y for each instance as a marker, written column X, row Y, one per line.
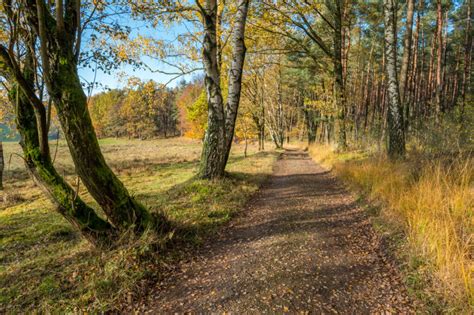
column 431, row 199
column 45, row 265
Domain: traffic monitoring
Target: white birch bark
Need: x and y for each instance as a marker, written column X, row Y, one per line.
column 396, row 137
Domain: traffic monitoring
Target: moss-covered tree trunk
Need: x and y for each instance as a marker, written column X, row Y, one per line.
column 31, row 122
column 104, row 186
column 59, row 55
column 2, row 165
column 95, row 229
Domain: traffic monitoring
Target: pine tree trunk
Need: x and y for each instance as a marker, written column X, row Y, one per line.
column 466, row 79
column 406, row 61
column 406, row 50
column 439, row 57
column 414, row 77
column 429, row 84
column 396, row 138
column 311, row 125
column 339, row 77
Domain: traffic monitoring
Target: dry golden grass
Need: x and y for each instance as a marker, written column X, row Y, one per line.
column 432, row 201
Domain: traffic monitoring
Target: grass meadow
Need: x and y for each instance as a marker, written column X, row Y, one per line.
column 45, row 265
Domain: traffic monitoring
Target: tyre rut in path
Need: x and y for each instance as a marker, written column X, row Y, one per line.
column 301, row 245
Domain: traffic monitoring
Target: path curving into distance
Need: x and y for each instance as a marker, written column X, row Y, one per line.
column 301, row 245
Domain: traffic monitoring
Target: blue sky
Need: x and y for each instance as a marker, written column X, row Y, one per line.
column 115, row 79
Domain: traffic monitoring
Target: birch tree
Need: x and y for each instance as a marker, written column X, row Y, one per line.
column 396, row 137
column 221, row 117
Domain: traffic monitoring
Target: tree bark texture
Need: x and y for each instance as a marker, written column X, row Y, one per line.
column 66, row 200
column 2, row 165
column 396, row 137
column 221, row 119
column 311, row 117
column 439, row 58
column 235, row 73
column 31, row 124
column 64, row 87
column 339, row 88
column 406, row 49
column 213, row 152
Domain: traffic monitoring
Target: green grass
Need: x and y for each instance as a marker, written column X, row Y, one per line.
column 46, row 265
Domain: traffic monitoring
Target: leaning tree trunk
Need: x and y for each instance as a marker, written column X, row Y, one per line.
column 2, row 165
column 31, row 121
column 66, row 200
column 235, row 74
column 396, row 137
column 59, row 55
column 104, row 186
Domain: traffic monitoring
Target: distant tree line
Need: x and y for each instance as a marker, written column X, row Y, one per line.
column 143, row 110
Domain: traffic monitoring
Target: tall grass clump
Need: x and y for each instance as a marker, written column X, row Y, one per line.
column 431, row 199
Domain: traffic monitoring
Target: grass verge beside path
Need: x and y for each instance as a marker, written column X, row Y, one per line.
column 425, row 204
column 45, row 265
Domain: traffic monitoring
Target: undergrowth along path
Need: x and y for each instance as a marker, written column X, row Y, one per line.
column 301, row 245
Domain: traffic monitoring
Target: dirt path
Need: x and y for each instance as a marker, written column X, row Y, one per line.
column 303, row 245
